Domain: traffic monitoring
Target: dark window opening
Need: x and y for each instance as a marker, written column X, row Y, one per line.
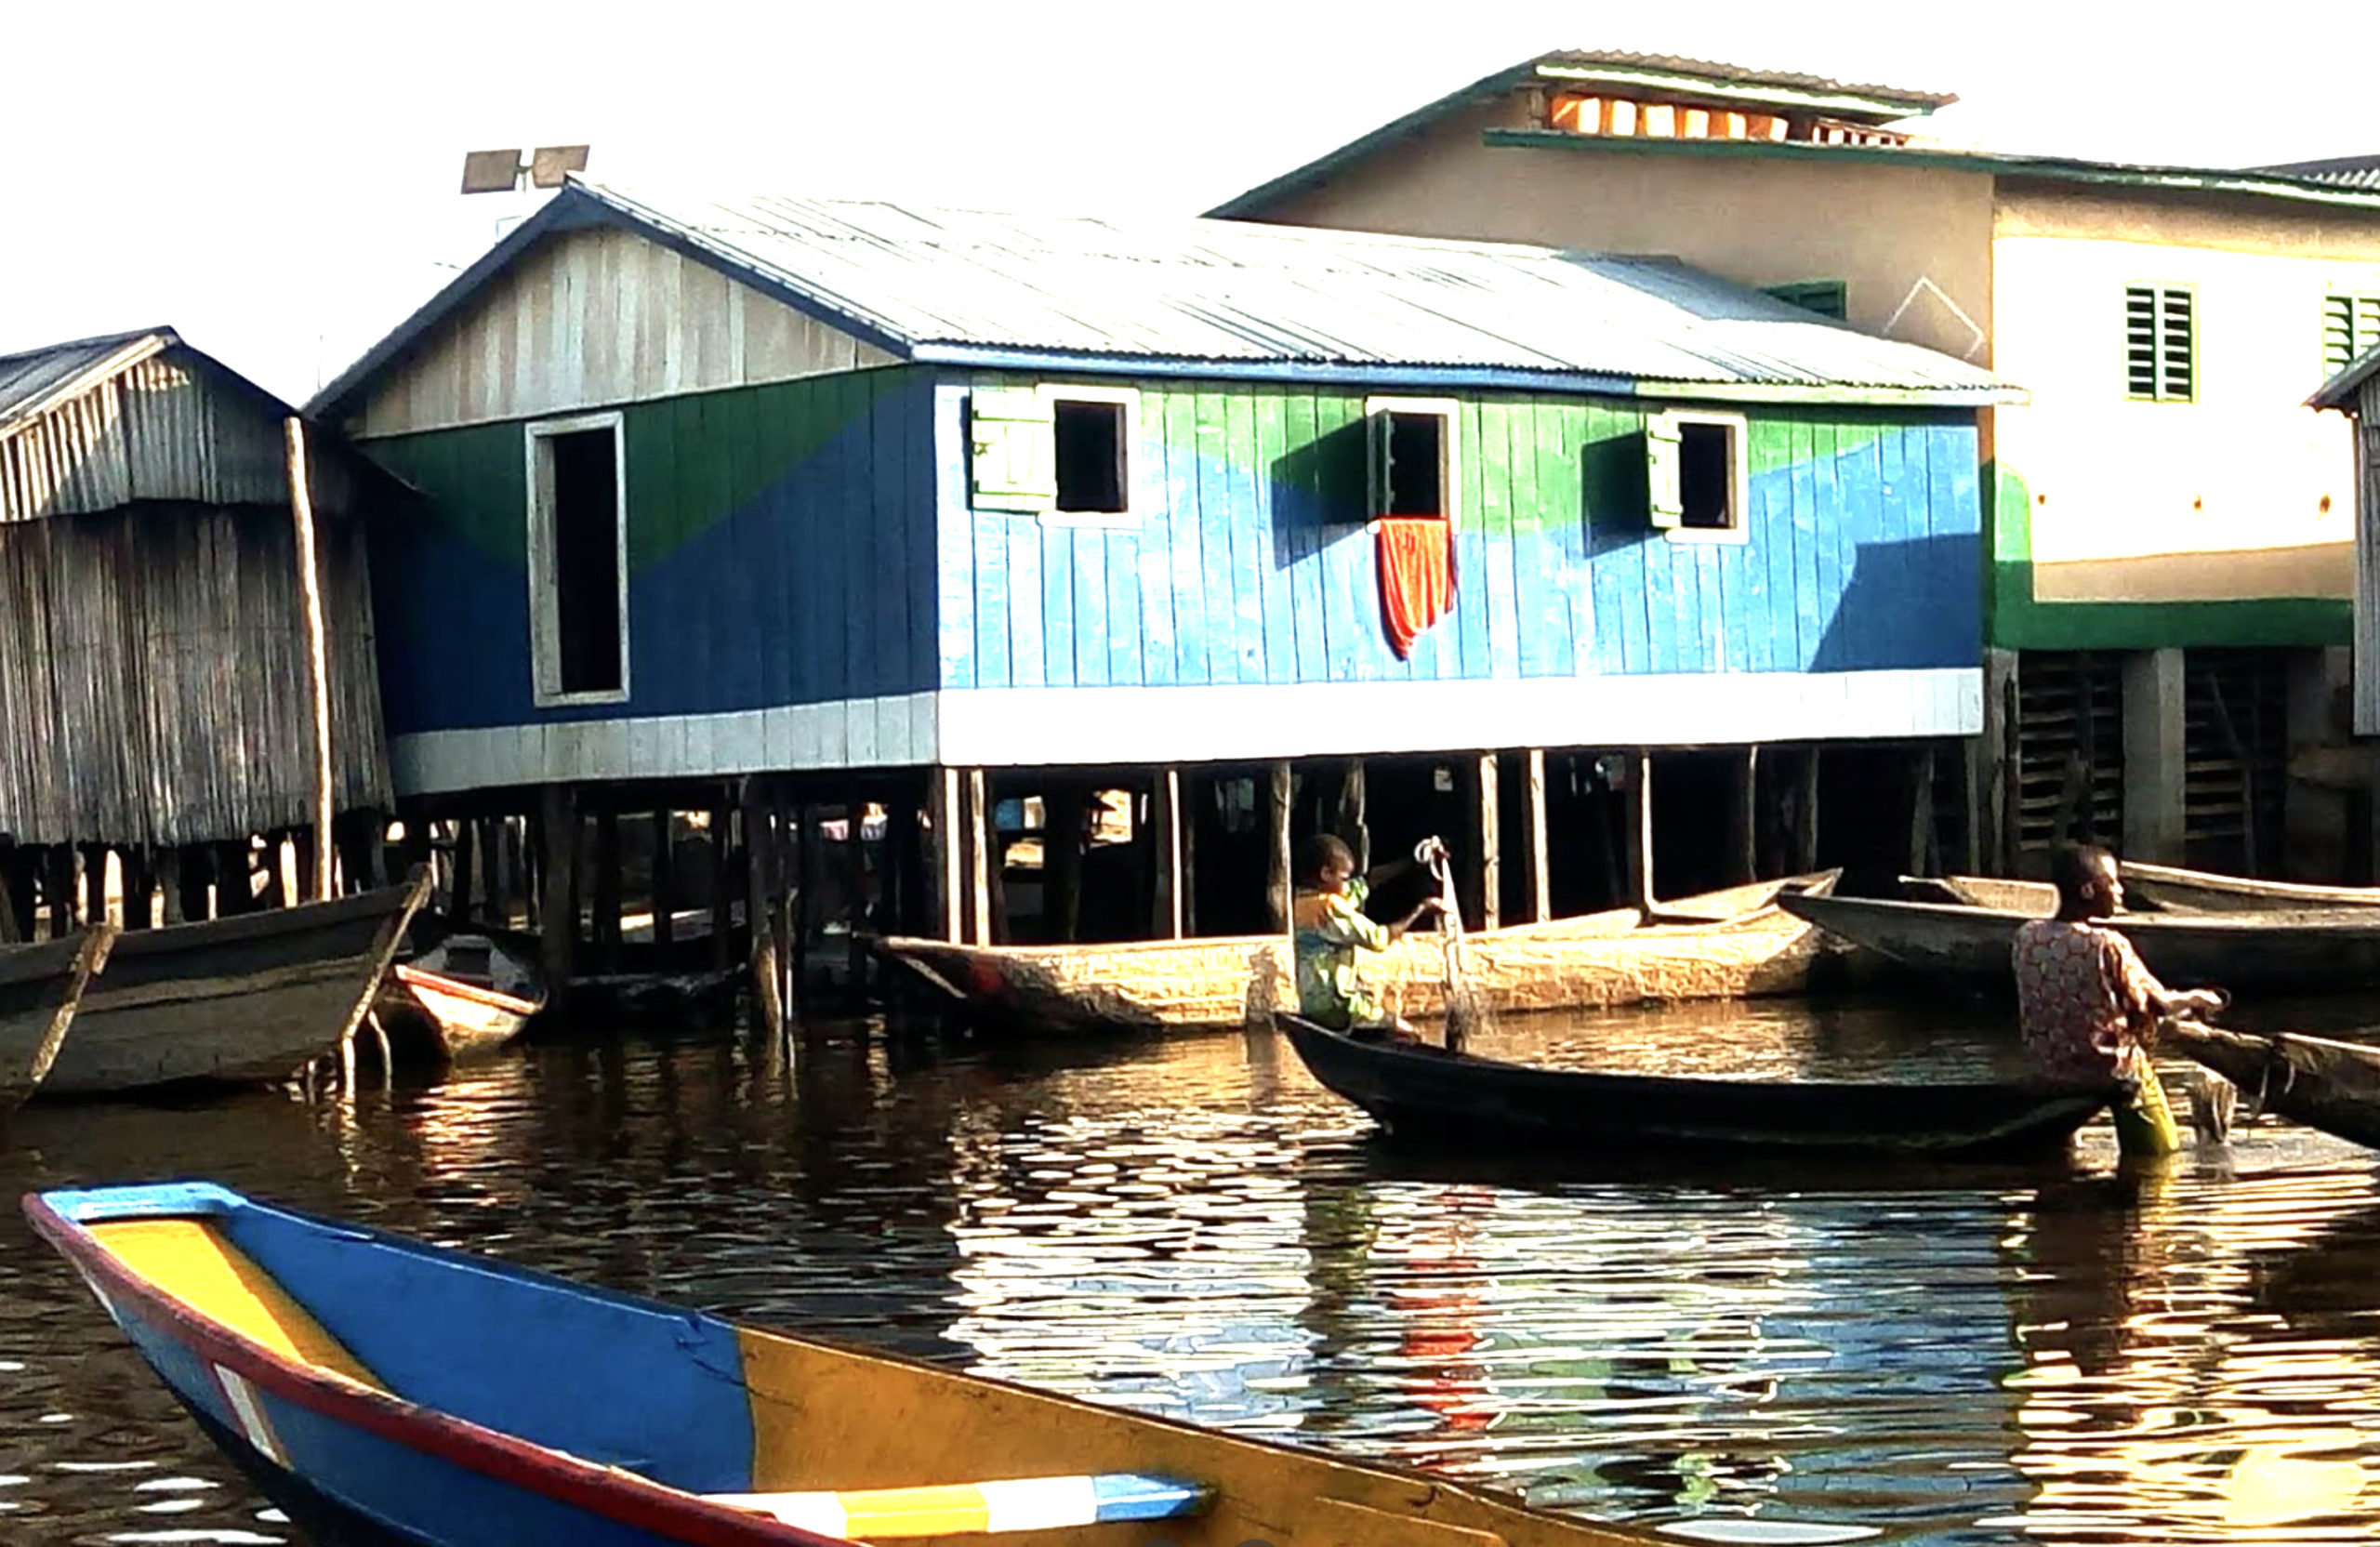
column 587, row 558
column 1706, row 475
column 1416, row 465
column 1092, row 475
column 1828, row 298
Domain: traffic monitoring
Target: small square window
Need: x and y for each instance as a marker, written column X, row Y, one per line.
column 1091, row 477
column 1412, row 457
column 1698, row 476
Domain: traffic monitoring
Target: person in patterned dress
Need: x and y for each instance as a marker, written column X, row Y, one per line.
column 2085, row 1004
column 1329, row 926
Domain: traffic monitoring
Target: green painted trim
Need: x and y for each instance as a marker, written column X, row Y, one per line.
column 1985, row 162
column 2015, row 620
column 1912, row 106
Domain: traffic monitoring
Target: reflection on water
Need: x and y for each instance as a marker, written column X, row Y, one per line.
column 1749, row 1352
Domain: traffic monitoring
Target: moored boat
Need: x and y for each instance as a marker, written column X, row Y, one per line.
column 2330, row 1085
column 465, row 995
column 1735, row 943
column 2311, row 952
column 2206, row 891
column 1426, row 1095
column 41, row 986
column 245, row 1000
column 377, row 1385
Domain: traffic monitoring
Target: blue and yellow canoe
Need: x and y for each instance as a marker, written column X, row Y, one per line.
column 382, row 1388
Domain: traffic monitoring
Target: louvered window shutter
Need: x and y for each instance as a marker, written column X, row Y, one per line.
column 1015, row 459
column 1662, row 441
column 2160, row 343
column 2351, row 329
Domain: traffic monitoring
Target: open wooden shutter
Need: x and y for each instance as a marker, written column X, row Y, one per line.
column 1015, row 456
column 1379, row 426
column 1667, row 501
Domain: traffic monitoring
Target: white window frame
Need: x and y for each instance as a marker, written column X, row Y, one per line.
column 1450, row 412
column 545, row 609
column 1737, row 530
column 1053, row 392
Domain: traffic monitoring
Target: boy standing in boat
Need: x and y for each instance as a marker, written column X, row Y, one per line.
column 2086, row 1003
column 1329, row 926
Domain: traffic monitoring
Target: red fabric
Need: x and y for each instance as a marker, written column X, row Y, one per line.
column 1416, row 575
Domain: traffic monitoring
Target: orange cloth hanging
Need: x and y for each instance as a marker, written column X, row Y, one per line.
column 1416, row 575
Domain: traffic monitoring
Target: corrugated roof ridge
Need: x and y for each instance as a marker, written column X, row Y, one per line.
column 1684, row 64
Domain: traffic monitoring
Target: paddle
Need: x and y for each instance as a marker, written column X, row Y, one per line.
column 1467, row 1010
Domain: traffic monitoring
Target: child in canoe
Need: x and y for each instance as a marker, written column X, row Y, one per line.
column 1328, row 925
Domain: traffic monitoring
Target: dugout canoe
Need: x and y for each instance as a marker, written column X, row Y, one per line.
column 240, row 1000
column 2209, row 892
column 2324, row 1084
column 1735, row 943
column 383, row 1388
column 1424, row 1094
column 463, row 997
column 41, row 986
column 2305, row 953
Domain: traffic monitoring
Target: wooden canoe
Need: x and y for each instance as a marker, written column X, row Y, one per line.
column 1425, row 1094
column 41, row 986
column 2309, row 953
column 1735, row 943
column 246, row 999
column 2324, row 1084
column 380, row 1386
column 2207, row 892
column 465, row 996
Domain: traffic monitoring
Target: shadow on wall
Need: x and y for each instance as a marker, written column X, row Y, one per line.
column 1916, row 603
column 1318, row 494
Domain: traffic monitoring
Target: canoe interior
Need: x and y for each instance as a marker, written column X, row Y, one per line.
column 684, row 1400
column 2325, row 1084
column 2208, row 891
column 1426, row 1095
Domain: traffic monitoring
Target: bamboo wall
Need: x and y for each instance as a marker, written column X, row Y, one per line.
column 153, row 680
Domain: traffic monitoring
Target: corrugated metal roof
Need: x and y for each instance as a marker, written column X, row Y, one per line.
column 32, row 380
column 2360, row 172
column 1740, row 75
column 1228, row 297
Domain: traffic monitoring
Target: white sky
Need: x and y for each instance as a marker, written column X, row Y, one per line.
column 277, row 181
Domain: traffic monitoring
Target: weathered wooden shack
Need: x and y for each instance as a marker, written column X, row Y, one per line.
column 939, row 511
column 153, row 653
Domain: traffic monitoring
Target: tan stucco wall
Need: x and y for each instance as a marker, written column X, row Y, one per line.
column 2240, row 494
column 1912, row 245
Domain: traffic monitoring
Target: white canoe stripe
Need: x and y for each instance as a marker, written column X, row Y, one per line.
column 250, row 1413
column 1039, row 1503
column 820, row 1513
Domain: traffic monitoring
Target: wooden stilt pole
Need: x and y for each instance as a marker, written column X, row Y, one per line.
column 723, row 882
column 1806, row 815
column 1922, row 846
column 458, row 895
column 979, row 860
column 1165, row 831
column 1066, row 803
column 784, row 884
column 1355, row 821
column 301, row 508
column 605, row 925
column 664, row 891
column 759, row 873
column 1486, row 820
column 1276, row 847
column 1743, row 817
column 558, row 905
column 1640, row 831
column 945, row 816
column 856, row 805
column 1540, row 883
column 805, row 889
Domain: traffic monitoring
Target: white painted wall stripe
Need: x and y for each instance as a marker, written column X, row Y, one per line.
column 1026, row 727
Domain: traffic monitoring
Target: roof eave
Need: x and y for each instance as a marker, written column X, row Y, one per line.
column 134, row 349
column 1481, row 378
column 1865, row 104
column 2345, row 388
column 1981, row 163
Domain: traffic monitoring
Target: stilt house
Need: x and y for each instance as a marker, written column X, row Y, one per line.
column 964, row 513
column 153, row 651
column 2169, row 536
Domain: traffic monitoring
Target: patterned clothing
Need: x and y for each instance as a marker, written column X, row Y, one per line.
column 2080, row 990
column 1329, row 929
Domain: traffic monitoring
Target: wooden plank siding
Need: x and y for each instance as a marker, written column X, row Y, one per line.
column 1254, row 563
column 780, row 551
column 2367, row 559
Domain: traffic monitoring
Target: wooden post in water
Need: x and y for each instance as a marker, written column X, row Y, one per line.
column 1276, row 847
column 1064, row 805
column 1484, row 774
column 946, row 814
column 1355, row 821
column 1806, row 815
column 665, row 893
column 759, row 872
column 94, row 883
column 459, row 892
column 301, row 508
column 783, row 886
column 60, row 888
column 722, row 881
column 11, row 931
column 1540, row 884
column 805, row 889
column 856, row 805
column 979, row 859
column 1920, row 813
column 1640, row 831
column 1743, row 817
column 1165, row 831
column 558, row 900
column 605, row 905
